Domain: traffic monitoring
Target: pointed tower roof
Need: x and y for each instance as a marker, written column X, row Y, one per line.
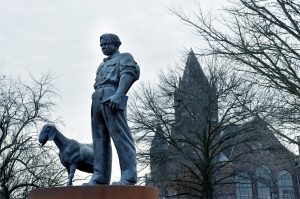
column 193, row 96
column 193, row 70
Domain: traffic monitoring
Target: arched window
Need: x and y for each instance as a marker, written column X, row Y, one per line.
column 243, row 186
column 285, row 185
column 264, row 182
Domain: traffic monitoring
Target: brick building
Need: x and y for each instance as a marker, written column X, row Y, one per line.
column 262, row 168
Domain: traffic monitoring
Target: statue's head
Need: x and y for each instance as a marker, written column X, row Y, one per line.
column 109, row 43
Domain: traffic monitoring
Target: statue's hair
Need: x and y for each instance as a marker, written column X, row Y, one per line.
column 111, row 38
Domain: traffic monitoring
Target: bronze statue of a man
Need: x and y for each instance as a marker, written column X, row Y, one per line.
column 114, row 77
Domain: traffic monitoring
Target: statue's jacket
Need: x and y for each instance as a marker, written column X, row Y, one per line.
column 109, row 72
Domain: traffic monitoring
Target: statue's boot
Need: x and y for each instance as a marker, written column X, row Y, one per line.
column 123, row 182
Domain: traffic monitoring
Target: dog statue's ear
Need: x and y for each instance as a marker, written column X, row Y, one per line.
column 51, row 135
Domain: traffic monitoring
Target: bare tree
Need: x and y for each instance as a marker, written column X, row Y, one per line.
column 191, row 125
column 23, row 163
column 262, row 38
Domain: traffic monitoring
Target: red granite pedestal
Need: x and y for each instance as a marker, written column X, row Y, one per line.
column 96, row 192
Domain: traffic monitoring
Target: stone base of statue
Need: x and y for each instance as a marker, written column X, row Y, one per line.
column 96, row 192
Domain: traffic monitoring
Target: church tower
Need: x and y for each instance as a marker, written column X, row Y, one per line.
column 195, row 104
column 195, row 99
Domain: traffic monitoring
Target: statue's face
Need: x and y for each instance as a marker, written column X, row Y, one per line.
column 108, row 48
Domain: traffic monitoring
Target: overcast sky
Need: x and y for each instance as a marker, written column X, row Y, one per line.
column 62, row 37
